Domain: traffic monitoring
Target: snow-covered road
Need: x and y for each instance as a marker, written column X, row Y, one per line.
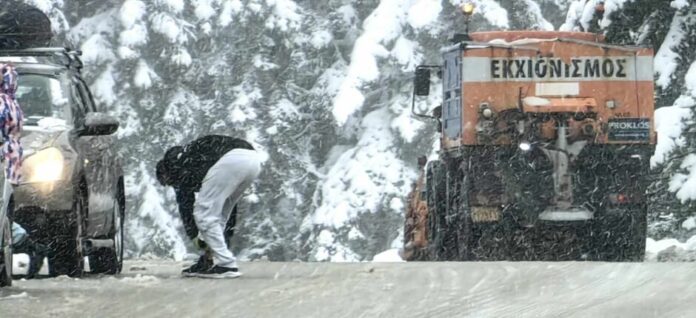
column 154, row 289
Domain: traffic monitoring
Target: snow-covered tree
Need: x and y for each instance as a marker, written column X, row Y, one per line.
column 322, row 89
column 670, row 28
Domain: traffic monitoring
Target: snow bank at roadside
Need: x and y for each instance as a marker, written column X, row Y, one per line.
column 665, row 250
column 15, row 296
column 140, row 279
column 388, row 256
column 670, row 250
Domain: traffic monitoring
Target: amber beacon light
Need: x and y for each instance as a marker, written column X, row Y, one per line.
column 468, row 9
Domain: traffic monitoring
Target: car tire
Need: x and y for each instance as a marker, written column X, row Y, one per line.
column 6, row 257
column 110, row 260
column 68, row 253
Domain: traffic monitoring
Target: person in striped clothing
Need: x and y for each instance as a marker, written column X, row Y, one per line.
column 11, row 121
column 11, row 118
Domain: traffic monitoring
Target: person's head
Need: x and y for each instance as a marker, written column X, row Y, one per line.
column 164, row 167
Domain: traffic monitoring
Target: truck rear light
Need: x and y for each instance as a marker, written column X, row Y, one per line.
column 619, row 198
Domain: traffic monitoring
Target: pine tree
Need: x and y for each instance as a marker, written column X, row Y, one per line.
column 526, row 15
column 670, row 28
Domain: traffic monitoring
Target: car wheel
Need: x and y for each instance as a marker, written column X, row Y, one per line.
column 6, row 260
column 110, row 260
column 68, row 255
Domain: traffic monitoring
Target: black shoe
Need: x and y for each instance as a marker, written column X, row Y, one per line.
column 36, row 251
column 220, row 272
column 204, row 263
column 35, row 264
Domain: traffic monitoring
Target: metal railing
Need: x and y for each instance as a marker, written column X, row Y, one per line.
column 56, row 55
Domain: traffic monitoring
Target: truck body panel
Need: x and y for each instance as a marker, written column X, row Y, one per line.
column 551, row 74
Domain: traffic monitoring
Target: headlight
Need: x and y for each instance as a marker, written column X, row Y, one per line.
column 525, row 146
column 486, row 111
column 44, row 166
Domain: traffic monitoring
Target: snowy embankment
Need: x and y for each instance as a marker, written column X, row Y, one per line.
column 670, row 250
column 388, row 256
column 665, row 250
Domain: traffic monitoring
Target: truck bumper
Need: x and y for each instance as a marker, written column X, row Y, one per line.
column 568, row 215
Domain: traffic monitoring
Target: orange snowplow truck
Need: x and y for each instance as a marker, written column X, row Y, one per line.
column 545, row 145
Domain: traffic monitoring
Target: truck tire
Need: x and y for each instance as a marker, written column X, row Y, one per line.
column 622, row 238
column 638, row 231
column 464, row 223
column 6, row 257
column 619, row 234
column 435, row 197
column 68, row 256
column 454, row 230
column 447, row 232
column 110, row 260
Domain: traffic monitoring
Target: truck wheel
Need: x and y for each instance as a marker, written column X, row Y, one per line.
column 6, row 259
column 464, row 224
column 622, row 238
column 68, row 256
column 433, row 227
column 110, row 260
column 455, row 229
column 636, row 228
column 435, row 197
column 640, row 235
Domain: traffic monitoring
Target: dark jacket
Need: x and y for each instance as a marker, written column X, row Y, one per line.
column 187, row 167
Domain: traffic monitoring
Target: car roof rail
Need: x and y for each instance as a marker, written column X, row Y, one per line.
column 60, row 55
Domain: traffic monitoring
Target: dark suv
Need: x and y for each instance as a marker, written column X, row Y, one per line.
column 71, row 195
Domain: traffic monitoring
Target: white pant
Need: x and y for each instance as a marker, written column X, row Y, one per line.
column 222, row 187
